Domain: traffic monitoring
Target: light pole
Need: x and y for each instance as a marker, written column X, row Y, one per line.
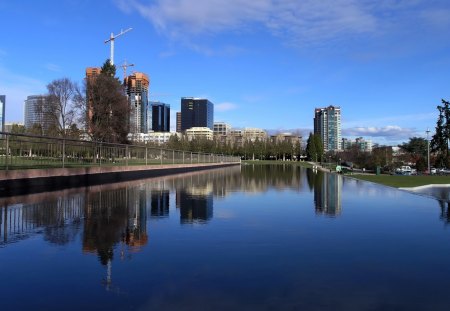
column 428, row 151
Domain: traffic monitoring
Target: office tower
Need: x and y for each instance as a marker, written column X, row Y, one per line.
column 178, row 122
column 35, row 113
column 2, row 112
column 160, row 117
column 196, row 112
column 137, row 87
column 327, row 124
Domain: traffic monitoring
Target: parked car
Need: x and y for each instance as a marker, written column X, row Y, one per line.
column 433, row 171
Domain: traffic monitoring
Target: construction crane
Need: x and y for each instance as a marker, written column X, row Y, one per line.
column 124, row 66
column 111, row 39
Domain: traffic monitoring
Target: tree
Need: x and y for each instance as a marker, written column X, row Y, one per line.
column 59, row 105
column 318, row 146
column 311, row 150
column 416, row 148
column 104, row 109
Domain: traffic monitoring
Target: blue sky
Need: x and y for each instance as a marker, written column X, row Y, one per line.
column 263, row 63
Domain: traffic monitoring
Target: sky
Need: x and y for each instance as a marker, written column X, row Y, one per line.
column 263, row 63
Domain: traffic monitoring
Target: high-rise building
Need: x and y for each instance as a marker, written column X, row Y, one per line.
column 178, row 122
column 160, row 117
column 196, row 112
column 327, row 124
column 91, row 73
column 137, row 87
column 2, row 112
column 35, row 113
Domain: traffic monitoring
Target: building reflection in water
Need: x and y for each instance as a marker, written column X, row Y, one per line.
column 327, row 192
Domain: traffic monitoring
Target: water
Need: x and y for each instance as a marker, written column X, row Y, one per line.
column 250, row 238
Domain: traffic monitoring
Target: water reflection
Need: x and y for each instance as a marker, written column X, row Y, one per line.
column 142, row 235
column 111, row 215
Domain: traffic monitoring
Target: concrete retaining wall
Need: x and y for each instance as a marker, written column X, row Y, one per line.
column 18, row 182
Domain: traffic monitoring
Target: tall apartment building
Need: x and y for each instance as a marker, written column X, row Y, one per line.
column 137, row 88
column 327, row 124
column 178, row 122
column 159, row 120
column 2, row 112
column 196, row 112
column 34, row 113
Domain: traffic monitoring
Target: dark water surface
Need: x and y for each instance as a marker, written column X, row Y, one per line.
column 250, row 238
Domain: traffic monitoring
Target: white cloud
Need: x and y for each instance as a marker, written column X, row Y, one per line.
column 52, row 67
column 390, row 132
column 225, row 107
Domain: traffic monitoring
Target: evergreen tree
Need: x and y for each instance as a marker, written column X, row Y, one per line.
column 311, row 151
column 108, row 69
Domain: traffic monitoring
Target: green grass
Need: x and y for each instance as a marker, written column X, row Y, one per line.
column 272, row 162
column 399, row 181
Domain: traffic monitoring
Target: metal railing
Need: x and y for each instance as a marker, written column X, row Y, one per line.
column 20, row 151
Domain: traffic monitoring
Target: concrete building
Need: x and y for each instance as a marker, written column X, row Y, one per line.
column 137, row 88
column 327, row 124
column 199, row 133
column 158, row 138
column 221, row 128
column 196, row 112
column 2, row 112
column 9, row 126
column 361, row 143
column 159, row 117
column 253, row 134
column 289, row 137
column 34, row 113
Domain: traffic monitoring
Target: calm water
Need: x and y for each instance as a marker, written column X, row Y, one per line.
column 250, row 238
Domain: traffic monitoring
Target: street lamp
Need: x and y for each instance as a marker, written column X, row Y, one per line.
column 428, row 151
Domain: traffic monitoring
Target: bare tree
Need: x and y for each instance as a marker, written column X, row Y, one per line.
column 60, row 105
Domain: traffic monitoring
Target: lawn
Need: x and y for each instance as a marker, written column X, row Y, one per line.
column 399, row 181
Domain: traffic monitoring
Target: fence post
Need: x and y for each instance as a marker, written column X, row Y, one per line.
column 191, row 157
column 146, row 156
column 126, row 155
column 100, row 155
column 63, row 152
column 7, row 151
column 161, row 157
column 173, row 156
column 183, row 157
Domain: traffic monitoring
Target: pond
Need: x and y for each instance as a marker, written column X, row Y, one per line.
column 256, row 237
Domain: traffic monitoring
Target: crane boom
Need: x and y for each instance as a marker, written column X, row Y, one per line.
column 112, row 38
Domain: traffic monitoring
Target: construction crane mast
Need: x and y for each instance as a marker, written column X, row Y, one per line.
column 111, row 39
column 124, row 66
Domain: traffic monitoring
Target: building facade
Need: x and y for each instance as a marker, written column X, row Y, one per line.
column 137, row 88
column 2, row 112
column 199, row 133
column 327, row 124
column 35, row 115
column 221, row 128
column 254, row 134
column 160, row 117
column 178, row 122
column 196, row 112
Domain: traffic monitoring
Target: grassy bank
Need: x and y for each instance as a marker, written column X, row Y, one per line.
column 399, row 181
column 269, row 162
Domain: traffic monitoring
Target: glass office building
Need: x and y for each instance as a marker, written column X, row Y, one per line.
column 160, row 117
column 196, row 112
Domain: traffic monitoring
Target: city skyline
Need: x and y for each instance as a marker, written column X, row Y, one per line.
column 383, row 64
